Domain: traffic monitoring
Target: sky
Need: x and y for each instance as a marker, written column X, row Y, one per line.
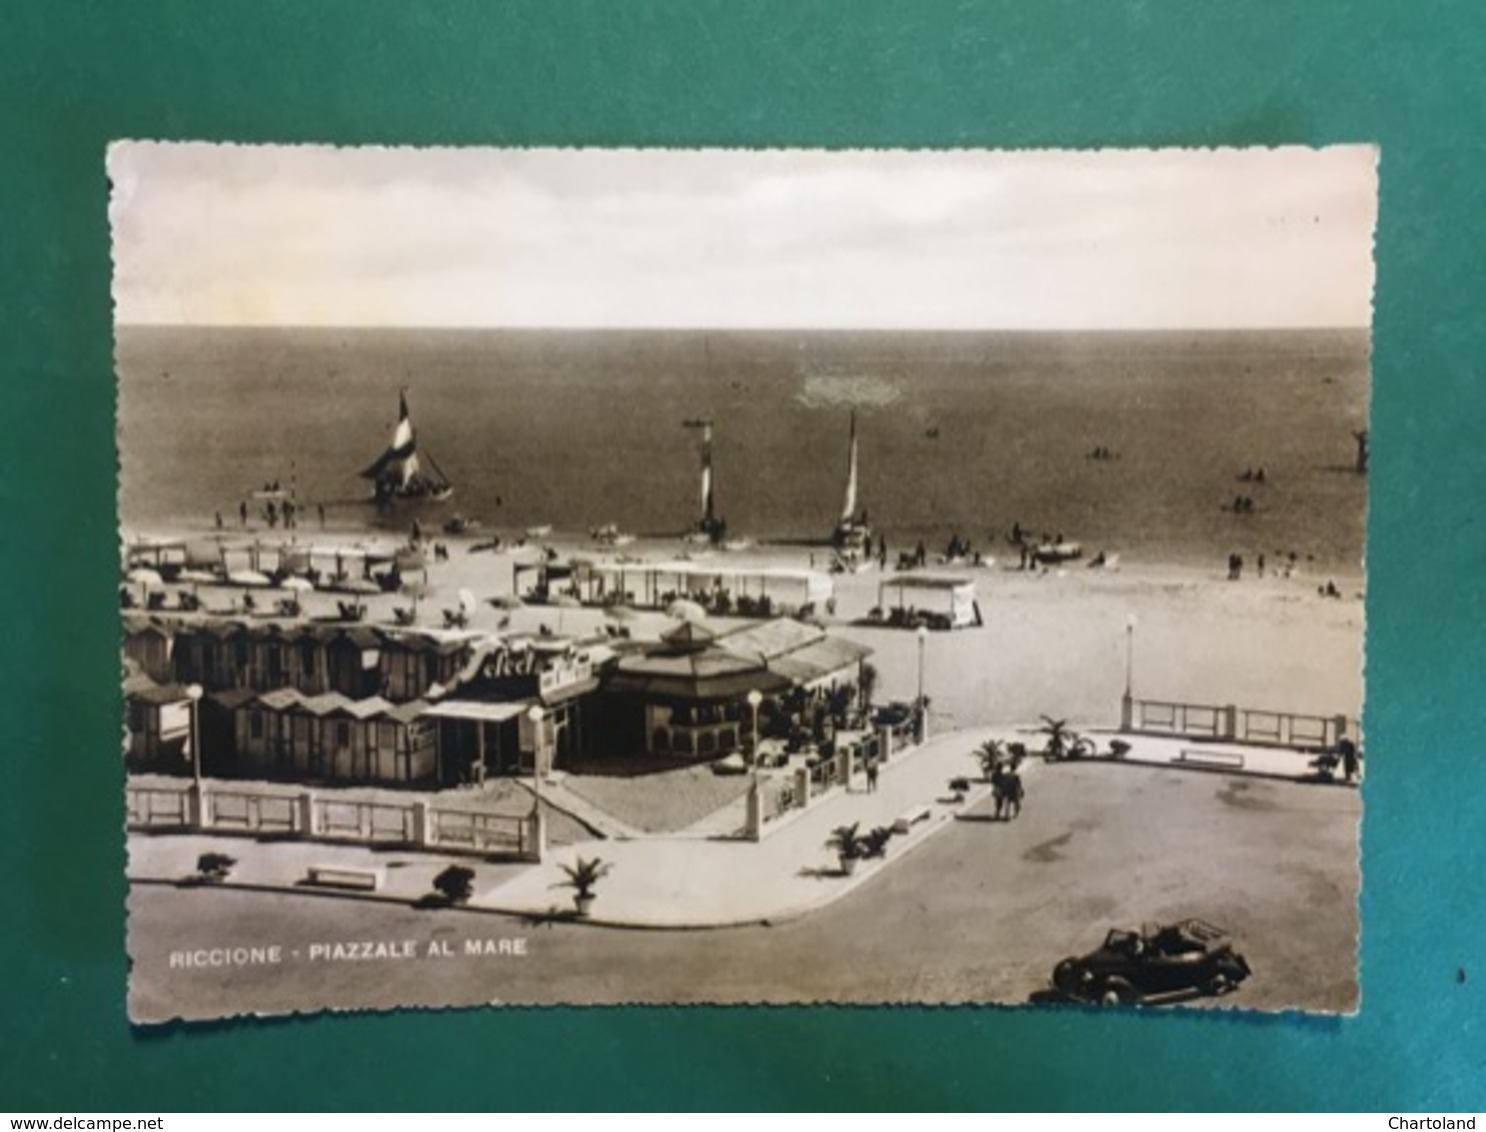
column 208, row 234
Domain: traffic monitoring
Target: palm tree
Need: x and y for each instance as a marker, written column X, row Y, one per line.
column 1057, row 734
column 991, row 754
column 581, row 878
column 848, row 844
column 1062, row 741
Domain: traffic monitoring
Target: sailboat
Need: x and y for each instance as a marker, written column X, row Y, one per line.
column 397, row 473
column 710, row 528
column 852, row 538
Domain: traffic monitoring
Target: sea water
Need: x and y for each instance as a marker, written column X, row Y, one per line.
column 959, row 433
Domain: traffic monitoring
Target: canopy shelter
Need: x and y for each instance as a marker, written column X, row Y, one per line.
column 938, row 601
column 166, row 555
column 748, row 591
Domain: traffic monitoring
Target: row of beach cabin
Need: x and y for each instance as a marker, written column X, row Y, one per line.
column 354, row 704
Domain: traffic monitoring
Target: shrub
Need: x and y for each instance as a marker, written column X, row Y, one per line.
column 456, row 884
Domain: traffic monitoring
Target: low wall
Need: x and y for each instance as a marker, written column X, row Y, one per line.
column 415, row 824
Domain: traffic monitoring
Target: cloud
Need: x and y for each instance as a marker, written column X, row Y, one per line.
column 734, row 238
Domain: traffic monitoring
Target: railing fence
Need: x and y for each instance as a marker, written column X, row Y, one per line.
column 1237, row 725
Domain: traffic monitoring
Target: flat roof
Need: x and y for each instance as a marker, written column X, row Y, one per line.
column 683, row 568
column 928, row 581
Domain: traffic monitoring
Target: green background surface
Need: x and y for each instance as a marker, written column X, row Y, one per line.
column 1023, row 73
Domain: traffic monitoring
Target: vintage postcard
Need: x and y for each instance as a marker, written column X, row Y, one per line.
column 564, row 576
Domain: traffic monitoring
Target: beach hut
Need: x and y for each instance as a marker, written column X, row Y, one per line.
column 333, row 738
column 158, row 718
column 150, row 642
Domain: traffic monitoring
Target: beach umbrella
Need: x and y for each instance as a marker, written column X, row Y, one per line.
column 506, row 601
column 198, row 576
column 144, row 576
column 298, row 585
column 684, row 610
column 467, row 603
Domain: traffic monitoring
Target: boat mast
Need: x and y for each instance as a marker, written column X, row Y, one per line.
column 709, row 516
column 849, row 509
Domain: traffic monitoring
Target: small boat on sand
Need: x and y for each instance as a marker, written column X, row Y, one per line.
column 1051, row 553
column 610, row 535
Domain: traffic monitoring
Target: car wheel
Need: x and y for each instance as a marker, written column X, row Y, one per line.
column 1117, row 992
column 1065, row 976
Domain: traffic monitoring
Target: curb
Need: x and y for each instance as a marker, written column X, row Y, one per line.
column 1199, row 768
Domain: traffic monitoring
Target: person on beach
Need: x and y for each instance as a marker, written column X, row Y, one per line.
column 871, row 774
column 1348, row 751
column 321, row 508
column 219, row 520
column 1261, row 565
column 242, row 512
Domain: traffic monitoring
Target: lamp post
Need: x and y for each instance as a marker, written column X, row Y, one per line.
column 1127, row 705
column 536, row 715
column 923, row 720
column 755, row 697
column 194, row 692
column 539, row 832
column 754, row 817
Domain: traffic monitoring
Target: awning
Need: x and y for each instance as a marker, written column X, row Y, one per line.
column 569, row 691
column 825, row 657
column 480, row 711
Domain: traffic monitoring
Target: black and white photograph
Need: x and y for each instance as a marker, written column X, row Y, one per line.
column 581, row 576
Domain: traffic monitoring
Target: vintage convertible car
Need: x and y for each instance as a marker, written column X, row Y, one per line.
column 1187, row 958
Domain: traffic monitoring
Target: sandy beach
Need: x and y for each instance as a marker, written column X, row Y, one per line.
column 1052, row 643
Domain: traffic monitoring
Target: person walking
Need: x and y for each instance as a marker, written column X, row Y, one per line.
column 871, row 774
